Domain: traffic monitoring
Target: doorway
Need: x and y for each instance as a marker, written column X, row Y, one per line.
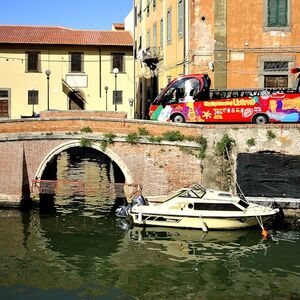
column 76, row 100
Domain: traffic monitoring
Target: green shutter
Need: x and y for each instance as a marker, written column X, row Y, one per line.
column 277, row 13
column 282, row 13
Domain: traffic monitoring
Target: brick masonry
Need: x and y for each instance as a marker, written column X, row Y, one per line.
column 160, row 167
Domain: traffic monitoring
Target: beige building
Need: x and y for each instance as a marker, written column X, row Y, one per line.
column 56, row 68
column 160, row 47
column 240, row 44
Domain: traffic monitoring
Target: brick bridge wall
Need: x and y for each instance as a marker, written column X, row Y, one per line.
column 27, row 144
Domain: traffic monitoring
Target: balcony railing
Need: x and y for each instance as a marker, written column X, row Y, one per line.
column 149, row 53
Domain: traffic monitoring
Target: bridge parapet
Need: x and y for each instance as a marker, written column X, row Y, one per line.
column 82, row 114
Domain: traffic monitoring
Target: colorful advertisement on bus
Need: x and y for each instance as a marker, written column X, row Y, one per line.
column 189, row 99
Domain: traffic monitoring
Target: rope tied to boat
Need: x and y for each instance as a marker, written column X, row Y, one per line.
column 264, row 231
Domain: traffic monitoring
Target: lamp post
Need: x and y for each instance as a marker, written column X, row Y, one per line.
column 48, row 72
column 115, row 71
column 106, row 89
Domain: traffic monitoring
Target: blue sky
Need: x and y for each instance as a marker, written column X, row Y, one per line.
column 88, row 14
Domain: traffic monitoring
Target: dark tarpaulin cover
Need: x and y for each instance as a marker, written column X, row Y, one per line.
column 269, row 174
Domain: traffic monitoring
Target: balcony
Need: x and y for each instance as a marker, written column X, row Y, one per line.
column 149, row 56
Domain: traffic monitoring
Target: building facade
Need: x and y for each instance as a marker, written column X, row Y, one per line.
column 56, row 68
column 240, row 44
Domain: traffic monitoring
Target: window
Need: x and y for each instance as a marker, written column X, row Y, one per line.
column 277, row 13
column 76, row 59
column 180, row 17
column 4, row 103
column 119, row 96
column 184, row 90
column 162, row 33
column 216, row 206
column 3, row 94
column 274, row 66
column 155, row 37
column 140, row 11
column 148, row 8
column 169, row 26
column 154, row 4
column 275, row 72
column 135, row 15
column 148, row 39
column 276, row 81
column 33, row 61
column 33, row 97
column 140, row 42
column 118, row 61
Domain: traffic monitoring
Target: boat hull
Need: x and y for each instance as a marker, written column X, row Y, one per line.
column 204, row 223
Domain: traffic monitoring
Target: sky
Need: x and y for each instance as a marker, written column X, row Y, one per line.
column 87, row 14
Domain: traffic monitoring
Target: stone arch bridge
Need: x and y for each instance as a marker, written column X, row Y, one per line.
column 27, row 145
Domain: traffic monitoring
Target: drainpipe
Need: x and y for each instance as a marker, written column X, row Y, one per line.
column 100, row 82
column 134, row 50
column 186, row 37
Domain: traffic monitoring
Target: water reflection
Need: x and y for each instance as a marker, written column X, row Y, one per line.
column 75, row 254
column 79, row 250
column 84, row 178
column 183, row 245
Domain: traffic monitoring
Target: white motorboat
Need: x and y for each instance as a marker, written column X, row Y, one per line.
column 197, row 207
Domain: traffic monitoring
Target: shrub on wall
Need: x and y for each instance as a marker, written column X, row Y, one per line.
column 173, row 136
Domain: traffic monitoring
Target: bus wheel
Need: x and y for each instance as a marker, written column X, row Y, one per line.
column 261, row 119
column 178, row 119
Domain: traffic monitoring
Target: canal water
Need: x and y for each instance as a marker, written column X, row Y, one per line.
column 80, row 250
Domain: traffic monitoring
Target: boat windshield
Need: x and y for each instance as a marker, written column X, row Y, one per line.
column 196, row 190
column 200, row 192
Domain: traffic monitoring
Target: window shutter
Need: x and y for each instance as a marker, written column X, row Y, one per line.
column 277, row 13
column 39, row 67
column 26, row 61
column 118, row 96
column 169, row 26
column 180, row 17
column 76, row 59
column 272, row 13
column 81, row 63
column 282, row 13
column 154, row 36
column 118, row 61
column 162, row 33
column 33, row 97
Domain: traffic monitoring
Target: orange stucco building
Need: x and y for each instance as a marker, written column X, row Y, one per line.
column 239, row 43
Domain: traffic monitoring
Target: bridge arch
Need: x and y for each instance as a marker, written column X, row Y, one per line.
column 71, row 144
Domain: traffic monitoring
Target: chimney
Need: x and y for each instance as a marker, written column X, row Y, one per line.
column 118, row 27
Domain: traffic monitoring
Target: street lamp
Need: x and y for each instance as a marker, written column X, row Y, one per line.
column 106, row 89
column 48, row 72
column 115, row 71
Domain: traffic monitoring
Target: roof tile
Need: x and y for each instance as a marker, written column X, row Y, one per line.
column 19, row 34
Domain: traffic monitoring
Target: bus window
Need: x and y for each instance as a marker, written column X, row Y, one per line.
column 184, row 90
column 171, row 96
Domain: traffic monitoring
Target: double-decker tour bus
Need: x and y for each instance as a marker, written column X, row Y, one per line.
column 189, row 99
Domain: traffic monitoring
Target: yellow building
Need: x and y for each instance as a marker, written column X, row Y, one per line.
column 56, row 68
column 159, row 46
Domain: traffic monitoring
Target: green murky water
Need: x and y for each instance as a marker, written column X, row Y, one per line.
column 79, row 252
